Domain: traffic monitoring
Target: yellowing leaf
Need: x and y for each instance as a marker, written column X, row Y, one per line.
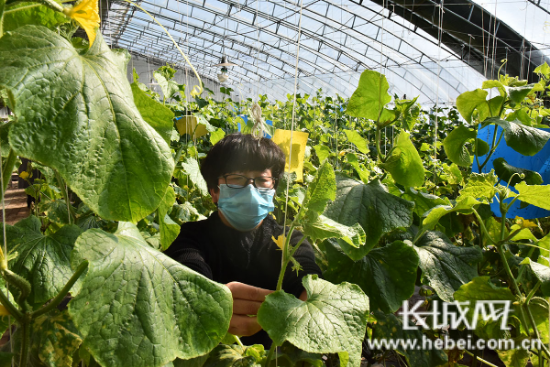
column 86, row 14
column 280, row 241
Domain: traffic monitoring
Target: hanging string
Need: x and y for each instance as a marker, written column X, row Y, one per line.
column 494, row 43
column 483, row 40
column 109, row 23
column 293, row 117
column 5, row 241
column 439, row 38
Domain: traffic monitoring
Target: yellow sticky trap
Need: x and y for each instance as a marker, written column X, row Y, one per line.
column 85, row 12
column 299, row 142
column 190, row 125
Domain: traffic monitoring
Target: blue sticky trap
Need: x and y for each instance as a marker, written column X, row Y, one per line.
column 245, row 118
column 540, row 163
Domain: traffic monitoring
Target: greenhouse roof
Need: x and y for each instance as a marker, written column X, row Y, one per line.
column 425, row 48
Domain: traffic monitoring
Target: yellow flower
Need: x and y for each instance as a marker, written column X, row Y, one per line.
column 3, row 311
column 280, row 241
column 86, row 14
column 524, row 223
column 24, row 175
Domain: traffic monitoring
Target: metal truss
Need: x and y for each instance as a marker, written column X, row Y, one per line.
column 336, row 38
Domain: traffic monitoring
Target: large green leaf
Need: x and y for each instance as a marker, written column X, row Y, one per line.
column 455, row 145
column 168, row 87
column 19, row 14
column 481, row 186
column 505, row 172
column 481, row 147
column 154, row 113
column 43, row 260
column 216, row 136
column 138, row 307
column 363, row 173
column 76, row 113
column 389, row 327
column 537, row 195
column 464, row 206
column 518, row 94
column 446, row 267
column 408, row 112
column 386, row 274
column 372, row 206
column 468, row 102
column 404, row 162
column 523, row 139
column 319, row 192
column 192, row 169
column 370, row 97
column 333, row 319
column 323, row 228
column 515, row 357
column 322, row 151
column 169, row 230
column 360, row 142
column 481, row 289
column 424, row 201
column 542, row 273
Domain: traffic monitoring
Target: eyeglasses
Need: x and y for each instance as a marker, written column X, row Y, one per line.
column 239, row 181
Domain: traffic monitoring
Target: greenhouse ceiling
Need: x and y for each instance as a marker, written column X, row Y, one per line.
column 425, row 47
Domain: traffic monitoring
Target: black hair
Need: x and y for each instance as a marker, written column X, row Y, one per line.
column 242, row 152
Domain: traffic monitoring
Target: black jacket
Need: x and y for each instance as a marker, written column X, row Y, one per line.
column 225, row 255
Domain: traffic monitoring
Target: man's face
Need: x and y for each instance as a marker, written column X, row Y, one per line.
column 215, row 193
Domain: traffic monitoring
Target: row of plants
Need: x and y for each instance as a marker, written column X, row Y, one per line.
column 385, row 208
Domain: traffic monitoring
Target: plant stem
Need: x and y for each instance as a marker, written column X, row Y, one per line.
column 21, row 283
column 511, row 235
column 52, row 4
column 63, row 189
column 285, row 258
column 537, row 334
column 514, row 284
column 378, row 138
column 480, row 359
column 7, row 167
column 270, row 354
column 2, row 7
column 483, row 228
column 178, row 154
column 493, row 147
column 63, row 292
column 18, row 315
column 533, row 291
column 25, row 339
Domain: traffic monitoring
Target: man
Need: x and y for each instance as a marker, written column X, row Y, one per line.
column 234, row 245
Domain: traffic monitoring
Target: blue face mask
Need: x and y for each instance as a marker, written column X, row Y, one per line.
column 245, row 208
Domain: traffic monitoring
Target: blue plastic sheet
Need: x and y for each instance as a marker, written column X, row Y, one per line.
column 540, row 163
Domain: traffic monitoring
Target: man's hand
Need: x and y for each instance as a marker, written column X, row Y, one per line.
column 246, row 301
